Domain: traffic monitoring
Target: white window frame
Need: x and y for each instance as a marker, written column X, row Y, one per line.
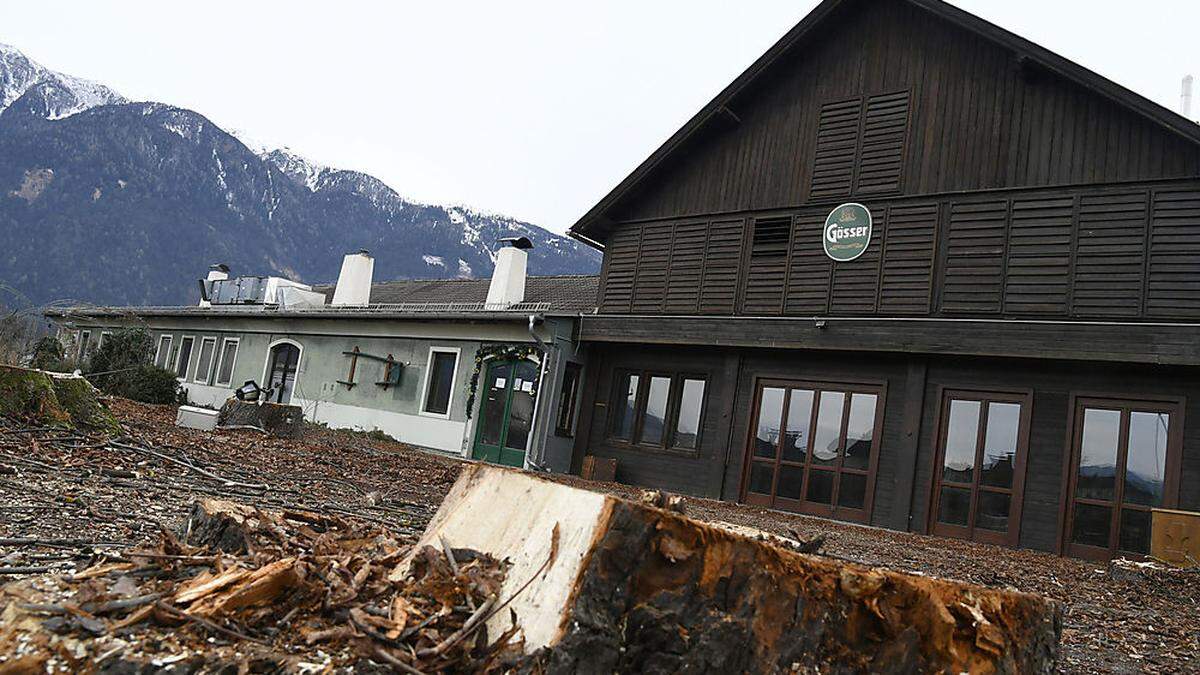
column 211, row 361
column 158, row 352
column 221, row 363
column 85, row 336
column 457, row 352
column 179, row 355
column 103, row 334
column 265, row 382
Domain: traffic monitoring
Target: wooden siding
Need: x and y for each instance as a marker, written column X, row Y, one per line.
column 825, row 123
column 1124, row 252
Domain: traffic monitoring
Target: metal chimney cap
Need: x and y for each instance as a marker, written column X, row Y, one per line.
column 219, row 267
column 361, row 251
column 522, row 243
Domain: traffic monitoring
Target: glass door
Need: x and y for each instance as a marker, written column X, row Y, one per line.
column 509, row 394
column 1125, row 457
column 979, row 474
column 814, row 448
column 285, row 358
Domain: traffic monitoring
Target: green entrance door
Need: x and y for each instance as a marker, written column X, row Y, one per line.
column 506, row 412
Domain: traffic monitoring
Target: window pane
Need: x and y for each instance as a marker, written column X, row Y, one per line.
column 954, row 506
column 624, row 405
column 795, row 445
column 860, row 431
column 820, row 486
column 770, row 416
column 761, row 477
column 656, row 410
column 495, row 398
column 852, row 492
column 1091, row 525
column 164, row 352
column 1098, row 455
column 204, row 361
column 185, row 357
column 691, row 403
column 520, row 404
column 1135, row 531
column 958, row 465
column 228, row 358
column 791, row 479
column 1145, row 463
column 992, row 511
column 1000, row 444
column 565, row 419
column 829, row 427
column 441, row 377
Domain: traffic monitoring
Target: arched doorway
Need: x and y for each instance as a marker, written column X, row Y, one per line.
column 282, row 362
column 508, row 394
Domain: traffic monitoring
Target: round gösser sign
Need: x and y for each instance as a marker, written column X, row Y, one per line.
column 847, row 232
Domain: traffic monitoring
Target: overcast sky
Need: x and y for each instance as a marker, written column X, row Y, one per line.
column 533, row 108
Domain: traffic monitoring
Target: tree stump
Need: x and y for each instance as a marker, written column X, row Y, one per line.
column 634, row 588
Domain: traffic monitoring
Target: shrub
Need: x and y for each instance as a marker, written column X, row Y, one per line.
column 48, row 355
column 122, row 367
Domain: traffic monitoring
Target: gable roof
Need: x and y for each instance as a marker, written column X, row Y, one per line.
column 590, row 228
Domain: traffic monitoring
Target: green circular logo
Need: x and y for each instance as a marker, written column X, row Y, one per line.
column 847, row 232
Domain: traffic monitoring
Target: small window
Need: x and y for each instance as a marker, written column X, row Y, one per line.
column 566, row 401
column 102, row 340
column 84, row 338
column 439, row 382
column 204, row 362
column 658, row 410
column 185, row 357
column 163, row 356
column 229, row 350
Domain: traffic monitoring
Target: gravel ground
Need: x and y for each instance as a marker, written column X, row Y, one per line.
column 1118, row 618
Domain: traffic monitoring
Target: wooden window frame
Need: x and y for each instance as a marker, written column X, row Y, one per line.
column 221, row 363
column 831, row 510
column 1126, row 404
column 85, row 336
column 565, row 414
column 670, row 420
column 207, row 378
column 1022, row 397
column 424, row 410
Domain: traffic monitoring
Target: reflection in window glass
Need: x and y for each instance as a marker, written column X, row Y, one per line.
column 441, row 380
column 1091, row 525
column 656, row 410
column 1098, row 455
column 228, row 359
column 954, row 506
column 791, row 478
column 163, row 357
column 798, row 420
column 962, row 435
column 770, row 416
column 185, row 357
column 691, row 400
column 1146, row 460
column 624, row 407
column 991, row 512
column 1000, row 444
column 860, row 429
column 208, row 349
column 852, row 491
column 829, row 427
column 820, row 486
column 761, row 477
column 1135, row 531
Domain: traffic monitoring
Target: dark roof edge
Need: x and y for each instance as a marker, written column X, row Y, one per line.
column 208, row 313
column 1057, row 64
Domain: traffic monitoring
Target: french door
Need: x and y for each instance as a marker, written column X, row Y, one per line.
column 814, row 447
column 979, row 471
column 285, row 358
column 509, row 393
column 1124, row 463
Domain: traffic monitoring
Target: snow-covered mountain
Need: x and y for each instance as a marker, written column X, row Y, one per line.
column 62, row 95
column 116, row 202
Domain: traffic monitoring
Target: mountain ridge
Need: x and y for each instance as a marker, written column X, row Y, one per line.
column 119, row 202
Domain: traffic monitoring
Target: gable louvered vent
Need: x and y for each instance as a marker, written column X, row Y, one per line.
column 860, row 146
column 768, row 266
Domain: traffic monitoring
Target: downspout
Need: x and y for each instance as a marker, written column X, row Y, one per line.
column 538, row 418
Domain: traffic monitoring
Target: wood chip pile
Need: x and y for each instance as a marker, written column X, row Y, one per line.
column 244, row 590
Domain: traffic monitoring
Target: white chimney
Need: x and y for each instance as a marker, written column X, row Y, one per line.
column 1185, row 98
column 354, row 281
column 508, row 279
column 218, row 272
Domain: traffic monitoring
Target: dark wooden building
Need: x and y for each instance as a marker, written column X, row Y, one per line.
column 1007, row 352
